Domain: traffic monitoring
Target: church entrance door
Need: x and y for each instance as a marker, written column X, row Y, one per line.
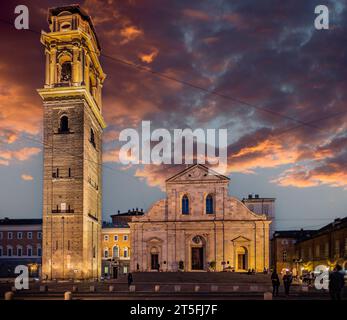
column 154, row 261
column 242, row 259
column 198, row 258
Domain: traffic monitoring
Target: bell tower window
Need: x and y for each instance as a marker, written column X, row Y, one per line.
column 64, row 124
column 66, row 72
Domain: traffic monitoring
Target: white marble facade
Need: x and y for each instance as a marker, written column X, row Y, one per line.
column 199, row 226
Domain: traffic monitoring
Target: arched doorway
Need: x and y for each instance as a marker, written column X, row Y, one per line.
column 242, row 258
column 198, row 249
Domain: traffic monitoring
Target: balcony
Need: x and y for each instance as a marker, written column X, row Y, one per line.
column 62, row 84
column 63, row 211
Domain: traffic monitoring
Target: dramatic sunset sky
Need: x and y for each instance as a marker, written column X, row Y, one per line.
column 265, row 53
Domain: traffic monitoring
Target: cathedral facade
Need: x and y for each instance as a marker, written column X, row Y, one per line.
column 199, row 227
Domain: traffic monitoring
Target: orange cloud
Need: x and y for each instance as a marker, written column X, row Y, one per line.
column 27, row 177
column 264, row 154
column 20, row 155
column 148, row 58
column 130, row 33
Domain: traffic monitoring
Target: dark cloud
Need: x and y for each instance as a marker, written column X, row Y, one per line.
column 266, row 53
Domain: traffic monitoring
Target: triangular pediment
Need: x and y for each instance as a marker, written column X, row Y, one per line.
column 240, row 239
column 197, row 172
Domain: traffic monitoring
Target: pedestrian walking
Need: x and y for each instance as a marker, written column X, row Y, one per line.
column 130, row 279
column 336, row 283
column 287, row 281
column 275, row 283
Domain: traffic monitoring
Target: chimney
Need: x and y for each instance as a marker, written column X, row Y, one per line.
column 256, row 196
column 250, row 196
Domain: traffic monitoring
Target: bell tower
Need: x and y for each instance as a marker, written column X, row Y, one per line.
column 72, row 127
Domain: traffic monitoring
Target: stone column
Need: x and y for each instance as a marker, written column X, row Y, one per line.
column 86, row 71
column 75, row 66
column 53, row 67
column 47, row 67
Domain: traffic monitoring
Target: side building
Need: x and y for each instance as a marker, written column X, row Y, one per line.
column 301, row 251
column 20, row 244
column 283, row 250
column 326, row 247
column 115, row 244
column 261, row 205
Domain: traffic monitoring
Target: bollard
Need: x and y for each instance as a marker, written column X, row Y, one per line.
column 214, row 288
column 74, row 289
column 92, row 289
column 197, row 288
column 157, row 288
column 177, row 288
column 132, row 288
column 9, row 295
column 111, row 288
column 68, row 295
column 43, row 288
column 267, row 296
column 304, row 288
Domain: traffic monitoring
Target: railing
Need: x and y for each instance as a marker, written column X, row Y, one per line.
column 63, row 211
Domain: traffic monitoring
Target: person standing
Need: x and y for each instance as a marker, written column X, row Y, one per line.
column 275, row 283
column 336, row 283
column 287, row 281
column 130, row 279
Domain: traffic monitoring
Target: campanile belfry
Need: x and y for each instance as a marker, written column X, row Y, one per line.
column 72, row 127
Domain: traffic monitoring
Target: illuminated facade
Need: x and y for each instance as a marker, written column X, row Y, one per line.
column 326, row 247
column 283, row 252
column 115, row 246
column 301, row 251
column 73, row 126
column 199, row 227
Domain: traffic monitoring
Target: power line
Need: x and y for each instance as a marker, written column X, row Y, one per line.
column 183, row 82
column 192, row 85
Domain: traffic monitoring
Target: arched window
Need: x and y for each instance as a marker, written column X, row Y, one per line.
column 115, row 252
column 65, row 72
column 64, row 124
column 105, row 253
column 92, row 137
column 209, row 204
column 185, row 204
